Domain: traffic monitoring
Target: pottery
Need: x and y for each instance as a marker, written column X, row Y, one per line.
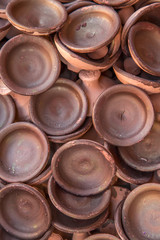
column 76, row 62
column 144, row 155
column 118, row 222
column 24, row 212
column 123, row 115
column 131, row 67
column 148, row 83
column 125, row 13
column 128, row 174
column 93, row 135
column 83, row 167
column 79, row 236
column 13, row 32
column 155, row 99
column 4, row 28
column 7, row 109
column 113, row 3
column 24, row 152
column 36, row 17
column 144, row 45
column 148, row 13
column 89, row 28
column 60, row 110
column 78, row 4
column 93, row 85
column 2, row 184
column 70, row 225
column 76, row 206
column 102, row 236
column 3, row 6
column 4, row 90
column 82, row 130
column 143, row 201
column 99, row 53
column 27, row 64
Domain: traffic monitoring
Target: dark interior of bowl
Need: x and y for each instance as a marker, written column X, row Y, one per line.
column 3, row 3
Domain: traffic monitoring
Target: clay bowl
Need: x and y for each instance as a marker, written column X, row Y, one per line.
column 3, row 6
column 70, row 225
column 24, row 152
column 7, row 110
column 118, row 222
column 148, row 13
column 149, row 84
column 24, row 212
column 89, row 28
column 27, row 64
column 128, row 174
column 75, row 135
column 113, row 3
column 60, row 110
column 102, row 236
column 36, row 17
column 41, row 178
column 83, row 167
column 141, row 213
column 144, row 155
column 76, row 206
column 4, row 28
column 76, row 62
column 123, row 115
column 144, row 46
column 78, row 4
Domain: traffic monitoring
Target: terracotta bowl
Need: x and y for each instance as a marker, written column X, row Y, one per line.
column 89, row 28
column 78, row 4
column 7, row 110
column 148, row 83
column 4, row 28
column 3, row 6
column 123, row 115
column 118, row 222
column 27, row 64
column 144, row 155
column 102, row 236
column 24, row 212
column 24, row 152
column 113, row 3
column 76, row 206
column 141, row 213
column 82, row 130
column 83, row 167
column 36, row 17
column 76, row 62
column 70, row 225
column 60, row 110
column 144, row 46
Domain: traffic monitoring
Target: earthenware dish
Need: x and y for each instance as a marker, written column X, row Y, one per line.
column 102, row 236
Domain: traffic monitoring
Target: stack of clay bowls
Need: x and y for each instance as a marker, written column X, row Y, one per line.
column 83, row 171
column 90, row 38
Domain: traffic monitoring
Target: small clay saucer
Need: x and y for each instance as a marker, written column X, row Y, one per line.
column 60, row 110
column 144, row 46
column 7, row 110
column 123, row 115
column 75, row 135
column 24, row 212
column 118, row 222
column 89, row 28
column 144, row 155
column 27, row 64
column 4, row 28
column 83, row 167
column 76, row 206
column 102, row 236
column 141, row 213
column 71, row 225
column 36, row 17
column 24, row 152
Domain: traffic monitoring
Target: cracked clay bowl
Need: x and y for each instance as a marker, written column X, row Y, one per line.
column 36, row 17
column 24, row 212
column 83, row 167
column 89, row 28
column 29, row 65
column 24, row 151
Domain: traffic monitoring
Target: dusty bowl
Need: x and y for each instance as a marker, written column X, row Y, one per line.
column 36, row 17
column 144, row 46
column 60, row 110
column 123, row 115
column 76, row 206
column 89, row 28
column 7, row 110
column 24, row 152
column 24, row 212
column 27, row 64
column 141, row 213
column 83, row 167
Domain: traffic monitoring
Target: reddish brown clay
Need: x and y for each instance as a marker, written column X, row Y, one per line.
column 102, row 236
column 125, row 13
column 131, row 67
column 7, row 110
column 83, row 167
column 4, row 28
